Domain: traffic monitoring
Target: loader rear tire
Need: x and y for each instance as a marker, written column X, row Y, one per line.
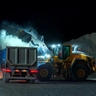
column 80, row 73
column 44, row 72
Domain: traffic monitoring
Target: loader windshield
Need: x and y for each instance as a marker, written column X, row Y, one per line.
column 64, row 53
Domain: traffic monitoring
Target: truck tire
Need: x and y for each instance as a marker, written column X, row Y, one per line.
column 30, row 81
column 6, row 80
column 80, row 73
column 44, row 72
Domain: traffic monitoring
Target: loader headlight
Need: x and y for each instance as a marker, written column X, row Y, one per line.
column 58, row 45
column 53, row 46
column 74, row 47
column 47, row 56
column 41, row 57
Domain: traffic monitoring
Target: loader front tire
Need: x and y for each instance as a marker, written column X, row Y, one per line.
column 44, row 72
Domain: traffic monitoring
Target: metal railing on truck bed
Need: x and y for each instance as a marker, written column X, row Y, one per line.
column 20, row 64
column 21, row 56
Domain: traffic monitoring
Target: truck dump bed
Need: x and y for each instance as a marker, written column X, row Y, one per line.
column 20, row 64
column 21, row 56
column 2, row 57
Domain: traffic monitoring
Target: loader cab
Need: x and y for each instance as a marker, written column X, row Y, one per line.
column 65, row 52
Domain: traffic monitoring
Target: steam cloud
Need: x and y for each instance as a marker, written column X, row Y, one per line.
column 13, row 40
column 9, row 40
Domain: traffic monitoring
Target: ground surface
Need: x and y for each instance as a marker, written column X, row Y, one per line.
column 52, row 88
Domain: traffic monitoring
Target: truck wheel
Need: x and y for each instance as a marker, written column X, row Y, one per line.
column 32, row 81
column 80, row 73
column 27, row 81
column 44, row 72
column 6, row 80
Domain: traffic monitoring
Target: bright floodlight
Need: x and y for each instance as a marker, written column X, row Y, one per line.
column 53, row 46
column 47, row 55
column 58, row 45
column 41, row 57
column 75, row 47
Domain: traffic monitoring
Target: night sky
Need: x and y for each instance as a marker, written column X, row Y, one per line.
column 56, row 23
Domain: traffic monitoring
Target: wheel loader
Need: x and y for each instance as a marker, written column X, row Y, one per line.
column 71, row 65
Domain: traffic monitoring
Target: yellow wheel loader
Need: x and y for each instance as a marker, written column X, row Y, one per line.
column 70, row 64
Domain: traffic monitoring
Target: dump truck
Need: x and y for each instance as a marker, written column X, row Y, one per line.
column 20, row 64
column 71, row 65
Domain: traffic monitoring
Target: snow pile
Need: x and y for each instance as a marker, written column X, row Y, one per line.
column 87, row 43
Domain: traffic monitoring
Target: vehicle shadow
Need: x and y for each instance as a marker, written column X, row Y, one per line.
column 89, row 81
column 66, row 82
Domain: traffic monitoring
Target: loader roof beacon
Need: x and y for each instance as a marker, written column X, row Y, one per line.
column 21, row 63
column 70, row 64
